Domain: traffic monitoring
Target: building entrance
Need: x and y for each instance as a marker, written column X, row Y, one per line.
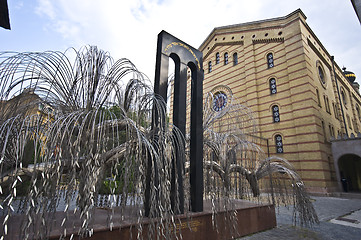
column 346, row 153
column 350, row 172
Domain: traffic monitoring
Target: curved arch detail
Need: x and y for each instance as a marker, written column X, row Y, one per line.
column 346, row 152
column 184, row 55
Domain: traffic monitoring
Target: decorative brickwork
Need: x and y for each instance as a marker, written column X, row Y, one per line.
column 298, row 57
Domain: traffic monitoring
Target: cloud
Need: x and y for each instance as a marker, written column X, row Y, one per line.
column 19, row 5
column 129, row 28
column 45, row 7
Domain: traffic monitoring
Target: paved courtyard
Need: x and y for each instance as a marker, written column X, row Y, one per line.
column 340, row 218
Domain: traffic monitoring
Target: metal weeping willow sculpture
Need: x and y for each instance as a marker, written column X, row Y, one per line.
column 76, row 138
column 236, row 167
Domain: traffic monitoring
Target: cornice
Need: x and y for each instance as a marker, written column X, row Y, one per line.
column 268, row 40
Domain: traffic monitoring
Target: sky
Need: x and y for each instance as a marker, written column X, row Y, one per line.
column 129, row 28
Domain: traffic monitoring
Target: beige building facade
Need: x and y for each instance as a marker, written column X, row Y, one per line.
column 300, row 97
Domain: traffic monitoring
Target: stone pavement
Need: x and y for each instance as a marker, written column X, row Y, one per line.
column 340, row 218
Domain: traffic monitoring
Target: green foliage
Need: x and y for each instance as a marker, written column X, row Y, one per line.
column 139, row 118
column 109, row 184
column 113, row 112
column 115, row 182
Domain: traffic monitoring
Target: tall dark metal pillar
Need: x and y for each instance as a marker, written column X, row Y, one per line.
column 179, row 111
column 183, row 56
column 196, row 141
column 160, row 88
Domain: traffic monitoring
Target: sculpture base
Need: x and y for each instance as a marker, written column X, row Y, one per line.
column 251, row 218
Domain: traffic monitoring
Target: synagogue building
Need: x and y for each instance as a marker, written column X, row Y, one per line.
column 304, row 104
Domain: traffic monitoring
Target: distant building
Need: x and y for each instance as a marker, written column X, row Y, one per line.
column 25, row 104
column 300, row 97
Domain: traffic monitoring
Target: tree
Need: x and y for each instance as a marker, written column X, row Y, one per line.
column 99, row 124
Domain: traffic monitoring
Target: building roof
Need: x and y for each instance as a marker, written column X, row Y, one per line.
column 272, row 21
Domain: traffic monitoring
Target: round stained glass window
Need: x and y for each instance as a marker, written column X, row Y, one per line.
column 221, row 97
column 219, row 101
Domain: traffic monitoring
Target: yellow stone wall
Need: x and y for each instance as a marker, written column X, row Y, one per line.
column 305, row 123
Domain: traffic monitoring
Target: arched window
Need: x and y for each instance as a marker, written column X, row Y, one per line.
column 209, row 66
column 276, row 114
column 272, row 86
column 235, row 59
column 343, row 96
column 327, row 105
column 270, row 62
column 334, row 110
column 318, row 97
column 332, row 134
column 217, row 58
column 279, row 144
column 225, row 58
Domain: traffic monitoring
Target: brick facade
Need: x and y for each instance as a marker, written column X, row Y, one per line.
column 306, row 91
